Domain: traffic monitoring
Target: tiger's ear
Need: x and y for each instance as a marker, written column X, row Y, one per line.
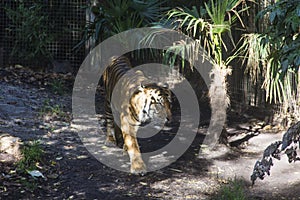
column 141, row 87
column 165, row 86
column 167, row 91
column 169, row 95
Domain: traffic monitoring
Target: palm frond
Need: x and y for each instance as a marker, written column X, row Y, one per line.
column 254, row 54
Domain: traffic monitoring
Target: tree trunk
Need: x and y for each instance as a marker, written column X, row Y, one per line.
column 219, row 102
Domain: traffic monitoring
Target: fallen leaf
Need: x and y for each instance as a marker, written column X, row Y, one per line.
column 59, row 158
column 36, row 174
column 176, row 170
column 143, row 183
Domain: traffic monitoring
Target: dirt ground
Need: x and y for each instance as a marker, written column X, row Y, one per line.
column 71, row 172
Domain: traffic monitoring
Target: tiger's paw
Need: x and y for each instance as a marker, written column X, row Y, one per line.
column 138, row 167
column 125, row 150
column 110, row 142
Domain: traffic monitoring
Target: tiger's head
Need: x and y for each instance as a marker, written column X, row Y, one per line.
column 151, row 103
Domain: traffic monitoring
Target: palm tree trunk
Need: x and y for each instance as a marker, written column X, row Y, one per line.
column 219, row 102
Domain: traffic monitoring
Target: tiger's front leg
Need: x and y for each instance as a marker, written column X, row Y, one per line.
column 131, row 145
column 137, row 164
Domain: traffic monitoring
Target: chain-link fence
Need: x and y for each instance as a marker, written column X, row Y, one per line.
column 40, row 32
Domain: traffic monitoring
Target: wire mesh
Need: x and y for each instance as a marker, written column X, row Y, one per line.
column 64, row 24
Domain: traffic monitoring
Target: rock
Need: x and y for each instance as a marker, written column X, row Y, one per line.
column 10, row 148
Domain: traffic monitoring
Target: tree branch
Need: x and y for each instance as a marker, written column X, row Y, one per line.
column 290, row 142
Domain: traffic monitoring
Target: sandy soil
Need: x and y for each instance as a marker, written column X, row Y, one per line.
column 73, row 173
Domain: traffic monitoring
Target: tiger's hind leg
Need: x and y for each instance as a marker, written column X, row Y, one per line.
column 110, row 127
column 118, row 136
column 110, row 135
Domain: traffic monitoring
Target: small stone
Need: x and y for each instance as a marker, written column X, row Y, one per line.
column 10, row 148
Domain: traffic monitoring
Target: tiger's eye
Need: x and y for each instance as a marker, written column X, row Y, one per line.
column 153, row 100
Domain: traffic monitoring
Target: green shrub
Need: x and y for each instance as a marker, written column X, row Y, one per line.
column 233, row 190
column 31, row 154
column 29, row 28
column 57, row 86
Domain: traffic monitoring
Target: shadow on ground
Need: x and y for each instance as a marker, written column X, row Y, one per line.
column 73, row 173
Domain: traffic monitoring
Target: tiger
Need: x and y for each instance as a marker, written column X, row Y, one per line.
column 145, row 103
